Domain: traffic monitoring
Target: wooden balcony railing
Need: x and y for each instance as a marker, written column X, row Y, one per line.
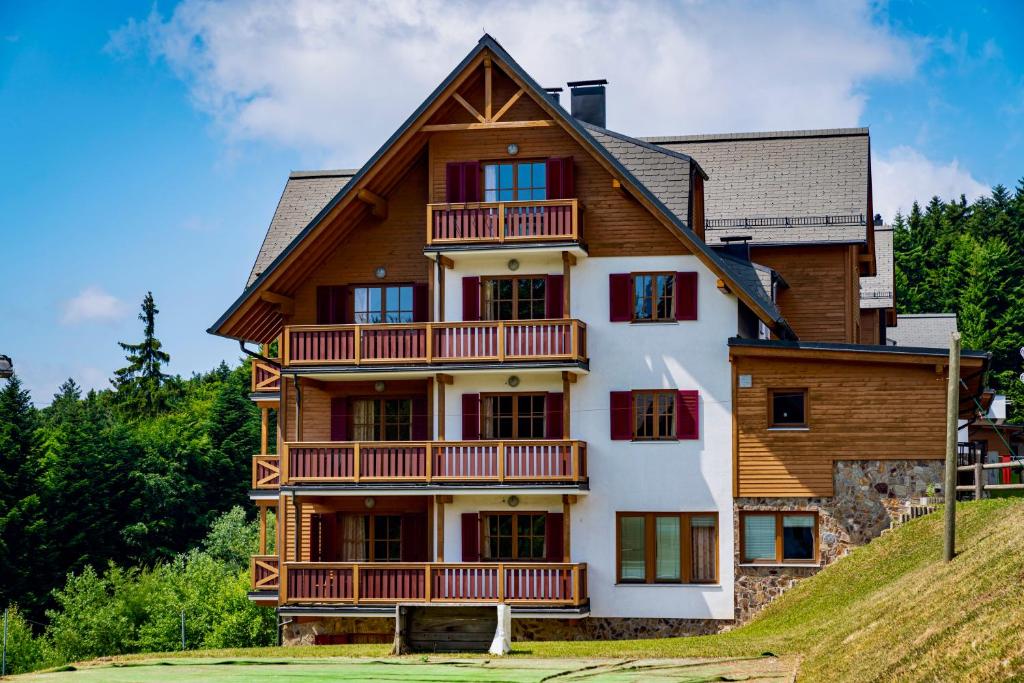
column 484, row 462
column 265, row 377
column 433, row 343
column 265, row 571
column 501, row 222
column 391, row 582
column 266, row 471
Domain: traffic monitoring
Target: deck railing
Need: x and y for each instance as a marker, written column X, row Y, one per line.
column 266, row 471
column 501, row 222
column 265, row 571
column 435, row 343
column 533, row 583
column 484, row 462
column 265, row 377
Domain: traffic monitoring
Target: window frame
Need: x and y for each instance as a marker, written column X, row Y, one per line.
column 650, row 548
column 772, row 424
column 370, row 519
column 671, row 318
column 779, row 547
column 484, row 515
column 674, row 415
column 485, row 396
column 382, row 421
column 484, row 309
column 515, row 163
column 383, row 286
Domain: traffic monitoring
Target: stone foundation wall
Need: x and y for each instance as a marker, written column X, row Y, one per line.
column 611, row 628
column 868, row 496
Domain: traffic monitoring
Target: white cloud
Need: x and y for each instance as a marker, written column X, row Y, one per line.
column 336, row 78
column 904, row 175
column 93, row 304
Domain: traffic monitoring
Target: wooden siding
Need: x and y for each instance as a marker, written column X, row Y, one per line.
column 855, row 411
column 870, row 328
column 316, row 403
column 822, row 302
column 613, row 224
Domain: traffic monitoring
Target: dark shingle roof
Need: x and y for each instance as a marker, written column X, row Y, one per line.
column 305, row 194
column 877, row 291
column 817, row 179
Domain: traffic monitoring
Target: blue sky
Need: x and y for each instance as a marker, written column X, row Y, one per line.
column 145, row 146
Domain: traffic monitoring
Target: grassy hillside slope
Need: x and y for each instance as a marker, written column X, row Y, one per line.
column 890, row 611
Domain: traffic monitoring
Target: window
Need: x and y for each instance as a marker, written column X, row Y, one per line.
column 523, row 180
column 371, row 538
column 779, row 537
column 512, row 416
column 514, row 536
column 654, row 297
column 667, row 547
column 514, row 298
column 654, row 415
column 787, row 407
column 382, row 419
column 383, row 304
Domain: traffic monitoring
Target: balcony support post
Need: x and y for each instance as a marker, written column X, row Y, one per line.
column 568, row 379
column 567, row 526
column 264, row 429
column 568, row 260
column 297, row 507
column 263, row 529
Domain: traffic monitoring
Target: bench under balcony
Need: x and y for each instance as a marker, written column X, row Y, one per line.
column 504, row 223
column 556, row 462
column 435, row 344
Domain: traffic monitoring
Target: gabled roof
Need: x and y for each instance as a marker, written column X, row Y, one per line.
column 783, row 187
column 752, row 296
column 877, row 291
column 305, row 194
column 931, row 330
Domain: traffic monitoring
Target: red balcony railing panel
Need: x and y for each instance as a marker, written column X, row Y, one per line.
column 538, row 461
column 465, row 224
column 392, row 583
column 312, row 584
column 381, row 461
column 544, row 583
column 458, row 583
column 526, row 340
column 466, row 342
column 394, row 343
column 328, row 344
column 321, row 462
column 466, row 460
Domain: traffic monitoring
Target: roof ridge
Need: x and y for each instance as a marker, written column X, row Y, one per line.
column 324, row 173
column 758, row 135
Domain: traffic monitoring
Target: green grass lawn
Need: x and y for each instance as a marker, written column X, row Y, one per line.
column 890, row 611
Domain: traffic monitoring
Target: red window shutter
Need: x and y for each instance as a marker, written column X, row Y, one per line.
column 470, row 417
column 553, row 422
column 470, row 537
column 471, row 181
column 688, row 415
column 553, row 300
column 686, row 296
column 419, row 418
column 618, row 298
column 568, row 179
column 329, row 538
column 470, row 298
column 420, row 303
column 621, row 403
column 554, row 546
column 453, row 186
column 331, row 303
column 553, row 171
column 414, row 537
column 339, row 418
column 323, row 305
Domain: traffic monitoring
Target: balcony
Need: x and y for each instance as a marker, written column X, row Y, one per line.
column 265, row 377
column 534, row 584
column 265, row 571
column 414, row 344
column 425, row 462
column 482, row 223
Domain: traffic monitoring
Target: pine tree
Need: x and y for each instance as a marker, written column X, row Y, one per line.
column 139, row 383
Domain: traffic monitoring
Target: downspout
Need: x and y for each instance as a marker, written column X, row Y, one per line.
column 258, row 356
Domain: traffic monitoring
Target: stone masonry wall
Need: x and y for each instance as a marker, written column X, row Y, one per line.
column 868, row 496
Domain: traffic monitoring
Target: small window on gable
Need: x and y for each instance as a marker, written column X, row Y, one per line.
column 787, row 407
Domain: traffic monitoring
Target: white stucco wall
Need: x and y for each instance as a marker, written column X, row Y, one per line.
column 683, row 476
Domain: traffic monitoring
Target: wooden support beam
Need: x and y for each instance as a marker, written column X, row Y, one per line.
column 440, row 408
column 263, row 530
column 569, row 377
column 264, row 431
column 444, row 378
column 285, row 304
column 508, row 105
column 488, row 99
column 469, row 107
column 493, row 125
column 566, row 529
column 445, row 261
column 566, row 404
column 568, row 260
column 621, row 188
column 379, row 204
column 720, row 283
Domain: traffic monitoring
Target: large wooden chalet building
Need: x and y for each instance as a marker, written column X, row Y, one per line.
column 626, row 387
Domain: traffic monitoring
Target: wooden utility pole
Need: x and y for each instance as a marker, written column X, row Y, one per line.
column 952, row 415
